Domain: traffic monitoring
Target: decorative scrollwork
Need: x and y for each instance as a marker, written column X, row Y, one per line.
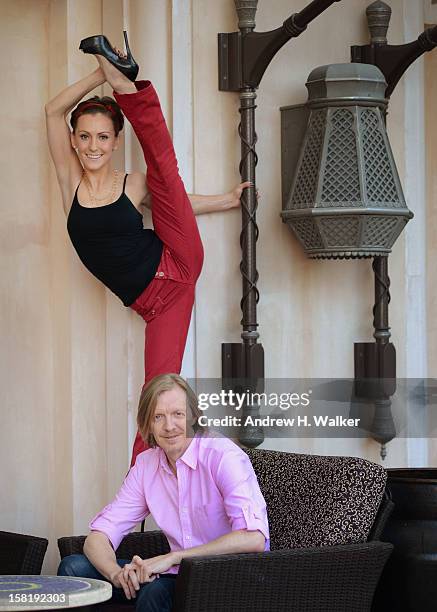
column 383, row 281
column 249, row 218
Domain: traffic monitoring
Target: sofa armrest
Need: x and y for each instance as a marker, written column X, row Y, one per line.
column 21, row 554
column 145, row 544
column 332, row 578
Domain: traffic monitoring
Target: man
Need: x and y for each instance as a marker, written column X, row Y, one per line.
column 201, row 490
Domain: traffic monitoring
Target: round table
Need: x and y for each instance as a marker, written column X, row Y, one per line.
column 50, row 592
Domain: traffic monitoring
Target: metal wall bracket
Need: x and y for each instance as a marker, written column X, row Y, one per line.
column 230, row 64
column 243, row 362
column 244, row 56
column 243, row 371
column 392, row 60
column 375, row 370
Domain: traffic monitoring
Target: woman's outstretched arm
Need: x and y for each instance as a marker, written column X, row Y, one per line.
column 203, row 204
column 67, row 165
column 216, row 203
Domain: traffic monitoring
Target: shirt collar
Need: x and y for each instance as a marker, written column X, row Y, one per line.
column 163, row 462
column 189, row 457
column 191, row 454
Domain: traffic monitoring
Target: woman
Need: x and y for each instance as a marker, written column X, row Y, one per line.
column 152, row 271
column 202, row 492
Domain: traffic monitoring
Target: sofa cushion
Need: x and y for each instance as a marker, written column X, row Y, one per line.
column 315, row 500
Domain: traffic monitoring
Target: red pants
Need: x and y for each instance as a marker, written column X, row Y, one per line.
column 167, row 302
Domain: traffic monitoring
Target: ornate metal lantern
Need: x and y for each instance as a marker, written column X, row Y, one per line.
column 344, row 199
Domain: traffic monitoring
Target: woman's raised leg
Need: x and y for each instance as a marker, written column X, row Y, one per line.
column 167, row 302
column 172, row 213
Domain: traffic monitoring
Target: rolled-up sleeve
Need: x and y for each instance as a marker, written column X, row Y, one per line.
column 244, row 503
column 129, row 508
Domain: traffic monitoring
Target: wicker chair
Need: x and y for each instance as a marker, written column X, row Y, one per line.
column 21, row 554
column 326, row 515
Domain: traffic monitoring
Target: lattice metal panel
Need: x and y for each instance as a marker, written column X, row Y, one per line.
column 340, row 231
column 380, row 182
column 306, row 184
column 341, row 185
column 379, row 232
column 346, row 183
column 307, row 232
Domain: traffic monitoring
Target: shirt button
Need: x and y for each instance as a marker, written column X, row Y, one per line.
column 188, row 537
column 152, row 312
column 161, row 274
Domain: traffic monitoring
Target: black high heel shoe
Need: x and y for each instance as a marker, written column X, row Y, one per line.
column 100, row 45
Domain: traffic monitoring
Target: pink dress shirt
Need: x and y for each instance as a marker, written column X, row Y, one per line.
column 215, row 492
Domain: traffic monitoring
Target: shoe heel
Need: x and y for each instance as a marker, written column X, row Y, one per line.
column 126, row 43
column 133, row 72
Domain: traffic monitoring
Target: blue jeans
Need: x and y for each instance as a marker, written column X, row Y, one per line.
column 156, row 596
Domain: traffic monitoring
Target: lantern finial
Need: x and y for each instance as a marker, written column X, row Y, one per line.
column 246, row 10
column 378, row 19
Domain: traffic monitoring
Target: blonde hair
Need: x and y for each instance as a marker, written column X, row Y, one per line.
column 149, row 399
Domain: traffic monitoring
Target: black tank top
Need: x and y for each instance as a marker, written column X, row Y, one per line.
column 113, row 244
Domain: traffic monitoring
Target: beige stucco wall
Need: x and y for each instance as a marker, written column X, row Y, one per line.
column 431, row 147
column 431, row 150
column 27, row 423
column 72, row 355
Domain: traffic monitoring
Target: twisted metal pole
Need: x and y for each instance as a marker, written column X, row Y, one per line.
column 246, row 11
column 249, row 436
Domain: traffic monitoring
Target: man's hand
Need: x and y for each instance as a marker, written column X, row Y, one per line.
column 138, row 571
column 148, row 569
column 127, row 580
